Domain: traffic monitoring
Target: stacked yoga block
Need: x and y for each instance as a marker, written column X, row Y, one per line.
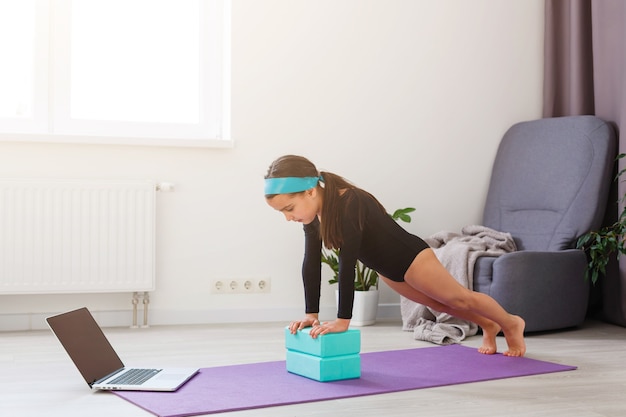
column 329, row 357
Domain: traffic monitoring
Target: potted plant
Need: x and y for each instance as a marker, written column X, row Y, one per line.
column 601, row 244
column 365, row 280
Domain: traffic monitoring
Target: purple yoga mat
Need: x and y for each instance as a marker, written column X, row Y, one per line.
column 267, row 384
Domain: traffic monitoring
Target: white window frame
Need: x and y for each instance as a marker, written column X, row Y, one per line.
column 52, row 121
column 39, row 121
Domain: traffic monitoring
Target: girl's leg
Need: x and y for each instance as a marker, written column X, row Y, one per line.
column 490, row 328
column 428, row 276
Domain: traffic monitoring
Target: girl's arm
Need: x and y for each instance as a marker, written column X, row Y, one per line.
column 348, row 256
column 312, row 267
column 311, row 277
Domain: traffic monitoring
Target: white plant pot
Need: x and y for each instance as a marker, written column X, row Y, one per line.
column 365, row 307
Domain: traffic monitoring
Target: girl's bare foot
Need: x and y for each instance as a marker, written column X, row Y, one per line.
column 489, row 346
column 515, row 338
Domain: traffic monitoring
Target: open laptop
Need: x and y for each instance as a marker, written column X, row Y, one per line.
column 100, row 365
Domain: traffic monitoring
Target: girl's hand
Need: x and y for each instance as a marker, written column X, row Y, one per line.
column 337, row 326
column 308, row 321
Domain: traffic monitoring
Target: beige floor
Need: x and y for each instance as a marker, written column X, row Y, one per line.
column 598, row 388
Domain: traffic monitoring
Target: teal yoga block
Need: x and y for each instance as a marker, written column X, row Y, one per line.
column 331, row 344
column 326, row 369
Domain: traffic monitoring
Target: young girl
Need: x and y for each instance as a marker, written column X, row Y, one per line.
column 345, row 217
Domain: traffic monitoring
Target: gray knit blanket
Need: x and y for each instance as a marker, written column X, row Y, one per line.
column 458, row 254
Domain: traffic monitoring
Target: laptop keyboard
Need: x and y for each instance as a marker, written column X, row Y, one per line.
column 135, row 377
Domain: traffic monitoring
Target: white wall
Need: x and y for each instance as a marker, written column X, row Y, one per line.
column 406, row 98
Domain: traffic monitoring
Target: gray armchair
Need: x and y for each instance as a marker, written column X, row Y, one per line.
column 549, row 185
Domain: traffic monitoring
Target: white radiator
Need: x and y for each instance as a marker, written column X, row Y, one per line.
column 65, row 236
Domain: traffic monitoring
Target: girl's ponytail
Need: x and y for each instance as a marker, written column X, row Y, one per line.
column 330, row 228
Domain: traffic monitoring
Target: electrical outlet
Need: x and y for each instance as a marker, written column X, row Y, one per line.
column 218, row 287
column 263, row 285
column 241, row 286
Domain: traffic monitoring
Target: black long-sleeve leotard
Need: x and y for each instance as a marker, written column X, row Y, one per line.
column 381, row 244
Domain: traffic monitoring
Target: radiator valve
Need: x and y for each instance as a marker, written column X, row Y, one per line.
column 165, row 186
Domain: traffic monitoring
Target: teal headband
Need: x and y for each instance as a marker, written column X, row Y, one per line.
column 286, row 185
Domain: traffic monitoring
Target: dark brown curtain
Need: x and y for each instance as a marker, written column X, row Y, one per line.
column 585, row 73
column 568, row 71
column 585, row 59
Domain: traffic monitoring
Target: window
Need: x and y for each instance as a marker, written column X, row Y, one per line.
column 115, row 71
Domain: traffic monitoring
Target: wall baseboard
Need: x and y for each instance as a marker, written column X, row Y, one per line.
column 123, row 318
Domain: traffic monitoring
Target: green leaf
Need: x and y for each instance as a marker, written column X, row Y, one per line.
column 402, row 214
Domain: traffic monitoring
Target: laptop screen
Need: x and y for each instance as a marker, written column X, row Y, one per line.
column 86, row 344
